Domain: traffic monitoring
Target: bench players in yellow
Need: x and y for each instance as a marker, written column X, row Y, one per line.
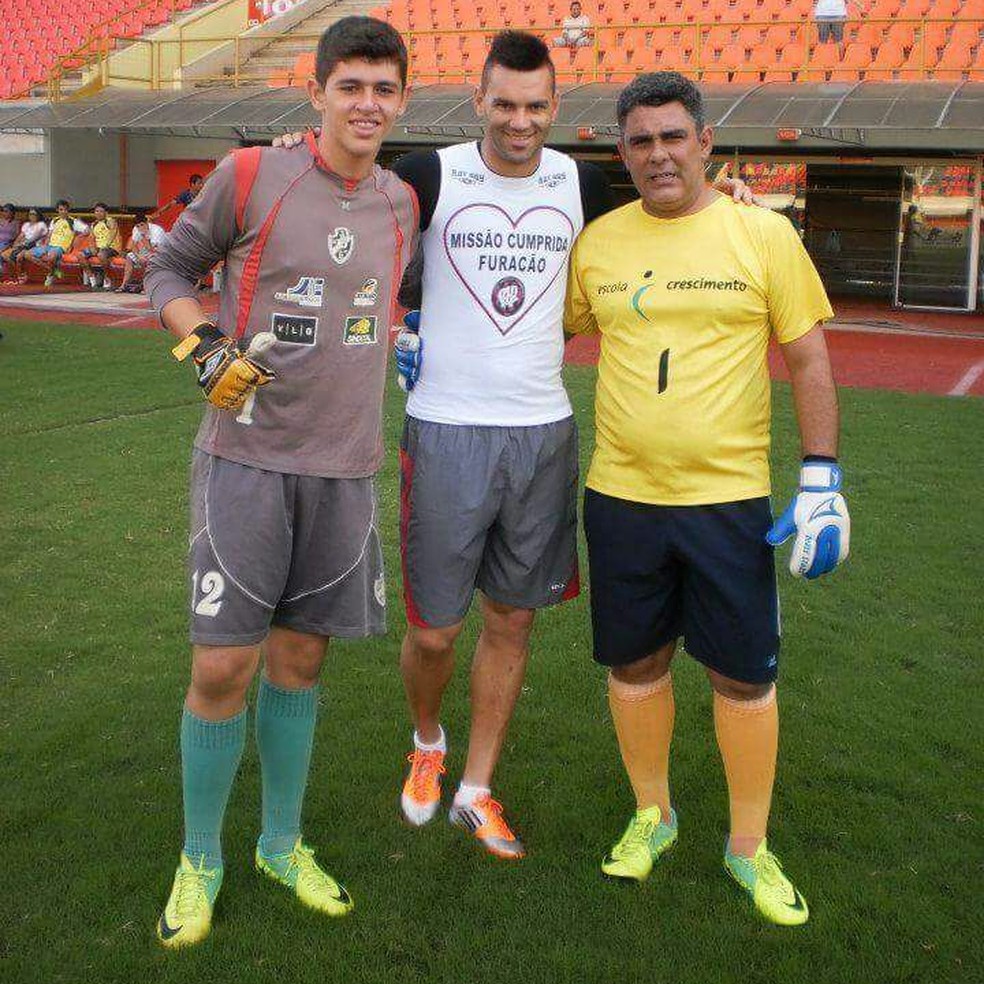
column 685, row 288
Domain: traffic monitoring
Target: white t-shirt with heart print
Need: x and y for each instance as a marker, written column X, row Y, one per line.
column 495, row 271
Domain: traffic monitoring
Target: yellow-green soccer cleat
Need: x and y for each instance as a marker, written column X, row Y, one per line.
column 773, row 893
column 645, row 840
column 187, row 917
column 298, row 871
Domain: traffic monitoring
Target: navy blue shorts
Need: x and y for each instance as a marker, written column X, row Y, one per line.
column 701, row 572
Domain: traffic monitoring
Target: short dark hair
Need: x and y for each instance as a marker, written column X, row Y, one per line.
column 518, row 50
column 194, row 177
column 139, row 217
column 9, row 207
column 63, row 201
column 359, row 37
column 658, row 89
column 101, row 205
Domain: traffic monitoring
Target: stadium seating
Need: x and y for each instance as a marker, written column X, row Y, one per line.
column 40, row 32
column 712, row 40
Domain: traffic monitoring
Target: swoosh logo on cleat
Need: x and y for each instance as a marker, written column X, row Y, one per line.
column 798, row 904
column 167, row 933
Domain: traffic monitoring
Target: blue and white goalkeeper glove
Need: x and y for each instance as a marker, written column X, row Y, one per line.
column 409, row 351
column 818, row 516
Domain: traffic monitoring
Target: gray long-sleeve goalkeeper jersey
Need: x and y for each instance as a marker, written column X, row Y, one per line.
column 317, row 260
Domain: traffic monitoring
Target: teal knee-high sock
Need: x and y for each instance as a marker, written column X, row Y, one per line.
column 284, row 736
column 210, row 754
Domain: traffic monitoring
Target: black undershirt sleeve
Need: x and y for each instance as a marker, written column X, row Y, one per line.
column 597, row 196
column 421, row 169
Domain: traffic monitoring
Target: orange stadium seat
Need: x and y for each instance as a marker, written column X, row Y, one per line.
column 954, row 63
column 902, row 33
column 967, row 32
column 977, row 66
column 733, row 56
column 713, row 39
column 881, row 9
column 823, row 59
column 780, row 35
column 857, row 58
column 915, row 8
column 919, row 60
column 887, row 62
column 793, row 58
column 935, row 37
column 691, row 11
column 303, row 67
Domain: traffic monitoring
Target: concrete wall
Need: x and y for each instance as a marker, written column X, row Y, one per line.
column 155, row 60
column 24, row 173
column 143, row 151
column 84, row 167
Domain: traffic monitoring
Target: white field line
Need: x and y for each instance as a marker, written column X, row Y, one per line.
column 968, row 379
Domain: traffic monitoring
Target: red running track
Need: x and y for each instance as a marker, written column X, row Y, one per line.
column 890, row 360
column 871, row 346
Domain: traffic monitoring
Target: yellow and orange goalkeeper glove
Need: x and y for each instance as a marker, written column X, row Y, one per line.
column 226, row 373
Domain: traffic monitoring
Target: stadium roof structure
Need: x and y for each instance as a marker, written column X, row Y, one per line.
column 872, row 117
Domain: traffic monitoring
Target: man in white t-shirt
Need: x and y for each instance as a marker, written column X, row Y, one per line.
column 489, row 450
column 576, row 29
column 144, row 240
column 830, row 16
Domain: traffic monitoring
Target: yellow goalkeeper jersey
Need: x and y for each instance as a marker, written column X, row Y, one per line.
column 685, row 308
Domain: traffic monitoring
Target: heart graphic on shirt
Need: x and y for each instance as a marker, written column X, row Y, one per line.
column 507, row 264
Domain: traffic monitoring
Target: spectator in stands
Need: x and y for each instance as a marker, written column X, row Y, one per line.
column 61, row 235
column 143, row 243
column 9, row 226
column 830, row 16
column 9, row 231
column 31, row 233
column 107, row 243
column 184, row 199
column 576, row 29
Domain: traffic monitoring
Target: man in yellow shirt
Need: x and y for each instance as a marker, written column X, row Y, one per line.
column 108, row 242
column 58, row 242
column 685, row 289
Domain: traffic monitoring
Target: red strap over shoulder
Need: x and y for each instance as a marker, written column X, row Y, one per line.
column 247, row 164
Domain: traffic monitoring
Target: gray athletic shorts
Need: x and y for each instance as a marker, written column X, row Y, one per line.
column 290, row 550
column 493, row 508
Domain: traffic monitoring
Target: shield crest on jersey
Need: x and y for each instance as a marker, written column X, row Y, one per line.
column 341, row 242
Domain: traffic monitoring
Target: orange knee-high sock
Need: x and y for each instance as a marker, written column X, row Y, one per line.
column 643, row 716
column 748, row 736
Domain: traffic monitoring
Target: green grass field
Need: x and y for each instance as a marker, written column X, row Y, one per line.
column 878, row 806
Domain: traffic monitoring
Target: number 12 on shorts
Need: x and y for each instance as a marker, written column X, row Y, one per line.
column 212, row 589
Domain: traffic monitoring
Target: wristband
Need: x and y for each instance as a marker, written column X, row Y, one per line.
column 194, row 338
